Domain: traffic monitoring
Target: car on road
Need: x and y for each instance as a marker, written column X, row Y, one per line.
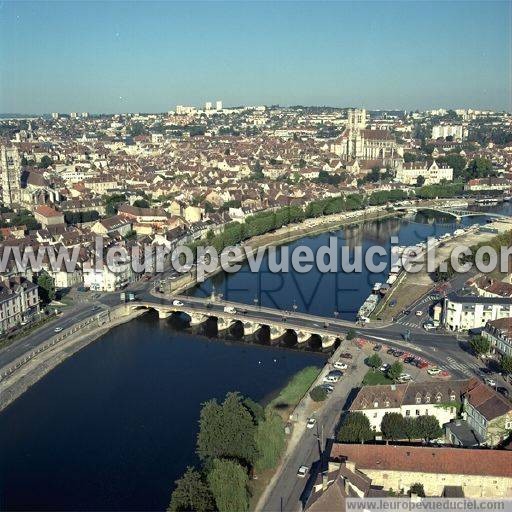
column 229, row 309
column 340, row 365
column 57, row 329
column 302, row 471
column 384, row 367
column 434, row 370
column 503, row 391
column 311, row 423
column 490, row 382
column 419, row 313
column 406, row 312
column 177, row 303
column 377, row 348
column 429, row 326
column 392, row 303
column 346, row 355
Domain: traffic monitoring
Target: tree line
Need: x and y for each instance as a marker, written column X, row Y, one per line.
column 236, row 439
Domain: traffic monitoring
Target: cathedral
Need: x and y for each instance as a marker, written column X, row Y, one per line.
column 23, row 189
column 357, row 142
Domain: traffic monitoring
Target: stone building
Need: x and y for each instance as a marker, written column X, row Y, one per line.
column 10, row 168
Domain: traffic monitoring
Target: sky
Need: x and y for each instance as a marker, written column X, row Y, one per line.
column 123, row 56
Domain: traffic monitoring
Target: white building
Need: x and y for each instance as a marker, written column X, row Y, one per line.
column 457, row 131
column 411, row 171
column 106, row 280
column 208, row 105
column 218, row 105
column 464, row 312
column 411, row 400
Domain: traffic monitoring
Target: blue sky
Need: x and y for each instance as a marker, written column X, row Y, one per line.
column 140, row 57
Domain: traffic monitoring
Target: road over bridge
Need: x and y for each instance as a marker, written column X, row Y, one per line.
column 458, row 213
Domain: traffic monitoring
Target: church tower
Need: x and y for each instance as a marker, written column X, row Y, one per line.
column 10, row 168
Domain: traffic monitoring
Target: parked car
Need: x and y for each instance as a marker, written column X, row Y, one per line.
column 340, row 365
column 384, row 367
column 421, row 364
column 490, row 382
column 392, row 303
column 410, row 360
column 377, row 348
column 346, row 355
column 390, row 351
column 434, row 371
column 328, row 388
column 311, row 423
column 177, row 303
column 503, row 391
column 333, row 376
column 302, row 471
column 404, row 377
column 229, row 309
column 419, row 313
column 398, row 353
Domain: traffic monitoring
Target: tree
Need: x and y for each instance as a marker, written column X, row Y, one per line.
column 191, row 493
column 141, row 203
column 318, row 394
column 479, row 345
column 395, row 370
column 270, row 441
column 374, row 361
column 226, row 430
column 420, row 181
column 136, row 129
column 410, row 428
column 392, row 426
column 45, row 162
column 417, row 489
column 228, row 483
column 112, row 202
column 46, row 287
column 428, row 427
column 351, row 334
column 355, row 428
column 506, row 364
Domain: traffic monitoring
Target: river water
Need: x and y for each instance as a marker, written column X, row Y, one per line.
column 113, row 426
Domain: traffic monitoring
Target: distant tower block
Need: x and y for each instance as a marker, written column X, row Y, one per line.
column 218, row 105
column 10, row 167
column 208, row 105
column 357, row 119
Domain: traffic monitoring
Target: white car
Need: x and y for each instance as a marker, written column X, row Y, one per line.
column 57, row 329
column 434, row 371
column 340, row 365
column 384, row 367
column 311, row 423
column 405, row 377
column 490, row 382
column 177, row 303
column 302, row 471
column 428, row 326
column 419, row 312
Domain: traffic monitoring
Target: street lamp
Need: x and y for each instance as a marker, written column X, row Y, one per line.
column 294, row 306
column 255, row 300
column 336, row 314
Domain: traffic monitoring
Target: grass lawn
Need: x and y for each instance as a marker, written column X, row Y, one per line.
column 373, row 378
column 296, row 388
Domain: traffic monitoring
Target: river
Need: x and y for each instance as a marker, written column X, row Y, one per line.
column 113, row 426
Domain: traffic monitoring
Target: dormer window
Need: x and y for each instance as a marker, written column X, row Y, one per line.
column 386, row 403
column 418, row 398
column 427, row 398
column 438, row 397
column 452, row 397
column 375, row 404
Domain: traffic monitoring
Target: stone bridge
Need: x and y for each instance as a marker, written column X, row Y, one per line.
column 458, row 213
column 251, row 318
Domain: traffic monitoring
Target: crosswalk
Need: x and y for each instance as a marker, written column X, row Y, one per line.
column 452, row 364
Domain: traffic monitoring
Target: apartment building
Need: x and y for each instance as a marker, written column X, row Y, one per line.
column 19, row 299
column 499, row 333
column 465, row 312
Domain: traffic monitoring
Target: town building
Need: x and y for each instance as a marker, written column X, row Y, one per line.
column 19, row 299
column 48, row 216
column 438, row 399
column 465, row 312
column 499, row 333
column 457, row 131
column 409, row 173
column 477, row 473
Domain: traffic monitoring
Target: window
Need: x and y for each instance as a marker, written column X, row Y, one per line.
column 417, row 412
column 438, row 397
column 386, row 403
column 408, row 412
column 452, row 397
column 427, row 399
column 418, row 399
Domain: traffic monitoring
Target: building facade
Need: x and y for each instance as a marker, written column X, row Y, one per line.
column 409, row 173
column 10, row 168
column 19, row 299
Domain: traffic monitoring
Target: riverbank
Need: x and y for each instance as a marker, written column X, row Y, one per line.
column 410, row 287
column 35, row 368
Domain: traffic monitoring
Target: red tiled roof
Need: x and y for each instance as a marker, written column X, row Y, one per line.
column 458, row 461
